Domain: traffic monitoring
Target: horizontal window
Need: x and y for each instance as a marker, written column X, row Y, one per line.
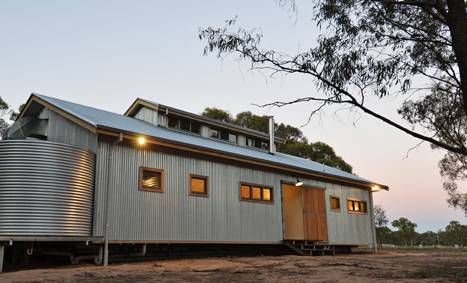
column 151, row 179
column 356, row 206
column 184, row 124
column 198, row 185
column 335, row 203
column 256, row 193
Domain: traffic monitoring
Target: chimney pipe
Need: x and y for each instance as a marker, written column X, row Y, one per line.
column 272, row 145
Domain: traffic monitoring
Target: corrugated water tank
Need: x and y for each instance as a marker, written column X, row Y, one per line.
column 46, row 189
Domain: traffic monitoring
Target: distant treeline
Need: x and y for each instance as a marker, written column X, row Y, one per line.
column 405, row 235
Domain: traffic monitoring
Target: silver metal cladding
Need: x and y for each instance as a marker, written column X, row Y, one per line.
column 46, row 189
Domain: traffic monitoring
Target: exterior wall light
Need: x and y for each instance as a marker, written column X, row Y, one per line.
column 298, row 183
column 141, row 141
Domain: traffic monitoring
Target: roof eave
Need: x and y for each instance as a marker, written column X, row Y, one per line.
column 89, row 125
column 207, row 151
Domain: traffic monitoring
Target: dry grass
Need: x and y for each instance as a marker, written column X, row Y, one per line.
column 394, row 265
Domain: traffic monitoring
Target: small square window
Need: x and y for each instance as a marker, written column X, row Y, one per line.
column 198, row 185
column 151, row 179
column 267, row 194
column 185, row 125
column 256, row 193
column 250, row 142
column 224, row 135
column 214, row 133
column 195, row 127
column 335, row 203
column 233, row 138
column 350, row 205
column 245, row 192
column 258, row 143
column 173, row 122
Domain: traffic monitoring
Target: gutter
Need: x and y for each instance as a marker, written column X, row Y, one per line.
column 260, row 162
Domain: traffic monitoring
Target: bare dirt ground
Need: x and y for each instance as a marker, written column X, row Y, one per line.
column 401, row 266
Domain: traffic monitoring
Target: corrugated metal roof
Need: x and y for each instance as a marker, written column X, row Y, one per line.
column 98, row 117
column 206, row 120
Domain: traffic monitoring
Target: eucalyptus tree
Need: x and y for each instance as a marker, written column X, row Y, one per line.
column 406, row 229
column 295, row 143
column 3, row 112
column 368, row 48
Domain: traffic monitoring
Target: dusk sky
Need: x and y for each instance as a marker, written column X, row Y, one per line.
column 107, row 53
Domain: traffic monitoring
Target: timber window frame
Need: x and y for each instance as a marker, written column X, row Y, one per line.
column 150, row 171
column 333, row 200
column 206, row 185
column 356, row 206
column 256, row 193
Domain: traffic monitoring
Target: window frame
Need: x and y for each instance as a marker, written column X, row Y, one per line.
column 217, row 136
column 251, row 185
column 353, row 205
column 206, row 185
column 248, row 139
column 233, row 135
column 338, row 201
column 140, row 179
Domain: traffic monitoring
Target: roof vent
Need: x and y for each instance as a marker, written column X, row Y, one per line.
column 272, row 145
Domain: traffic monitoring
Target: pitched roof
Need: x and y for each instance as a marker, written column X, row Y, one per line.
column 104, row 119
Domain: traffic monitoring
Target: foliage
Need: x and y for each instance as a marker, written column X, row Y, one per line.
column 406, row 229
column 15, row 114
column 383, row 235
column 3, row 111
column 414, row 48
column 218, row 114
column 294, row 141
column 380, row 217
column 454, row 234
column 427, row 239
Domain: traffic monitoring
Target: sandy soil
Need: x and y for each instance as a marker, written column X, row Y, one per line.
column 400, row 266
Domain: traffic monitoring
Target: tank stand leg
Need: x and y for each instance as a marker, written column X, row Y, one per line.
column 2, row 254
column 100, row 257
column 106, row 252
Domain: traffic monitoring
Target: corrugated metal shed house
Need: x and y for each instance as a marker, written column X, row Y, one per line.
column 156, row 174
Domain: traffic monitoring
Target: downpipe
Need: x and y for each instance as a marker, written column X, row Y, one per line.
column 107, row 196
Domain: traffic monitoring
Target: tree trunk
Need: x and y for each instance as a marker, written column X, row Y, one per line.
column 457, row 22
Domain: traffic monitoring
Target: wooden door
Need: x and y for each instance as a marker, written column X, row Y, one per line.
column 314, row 215
column 292, row 212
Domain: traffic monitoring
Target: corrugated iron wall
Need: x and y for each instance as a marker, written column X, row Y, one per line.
column 175, row 216
column 46, row 189
column 345, row 227
column 62, row 130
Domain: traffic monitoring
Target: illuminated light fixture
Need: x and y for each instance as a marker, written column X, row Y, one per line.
column 141, row 141
column 298, row 183
column 375, row 188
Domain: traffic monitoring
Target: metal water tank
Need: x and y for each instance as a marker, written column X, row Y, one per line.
column 46, row 189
